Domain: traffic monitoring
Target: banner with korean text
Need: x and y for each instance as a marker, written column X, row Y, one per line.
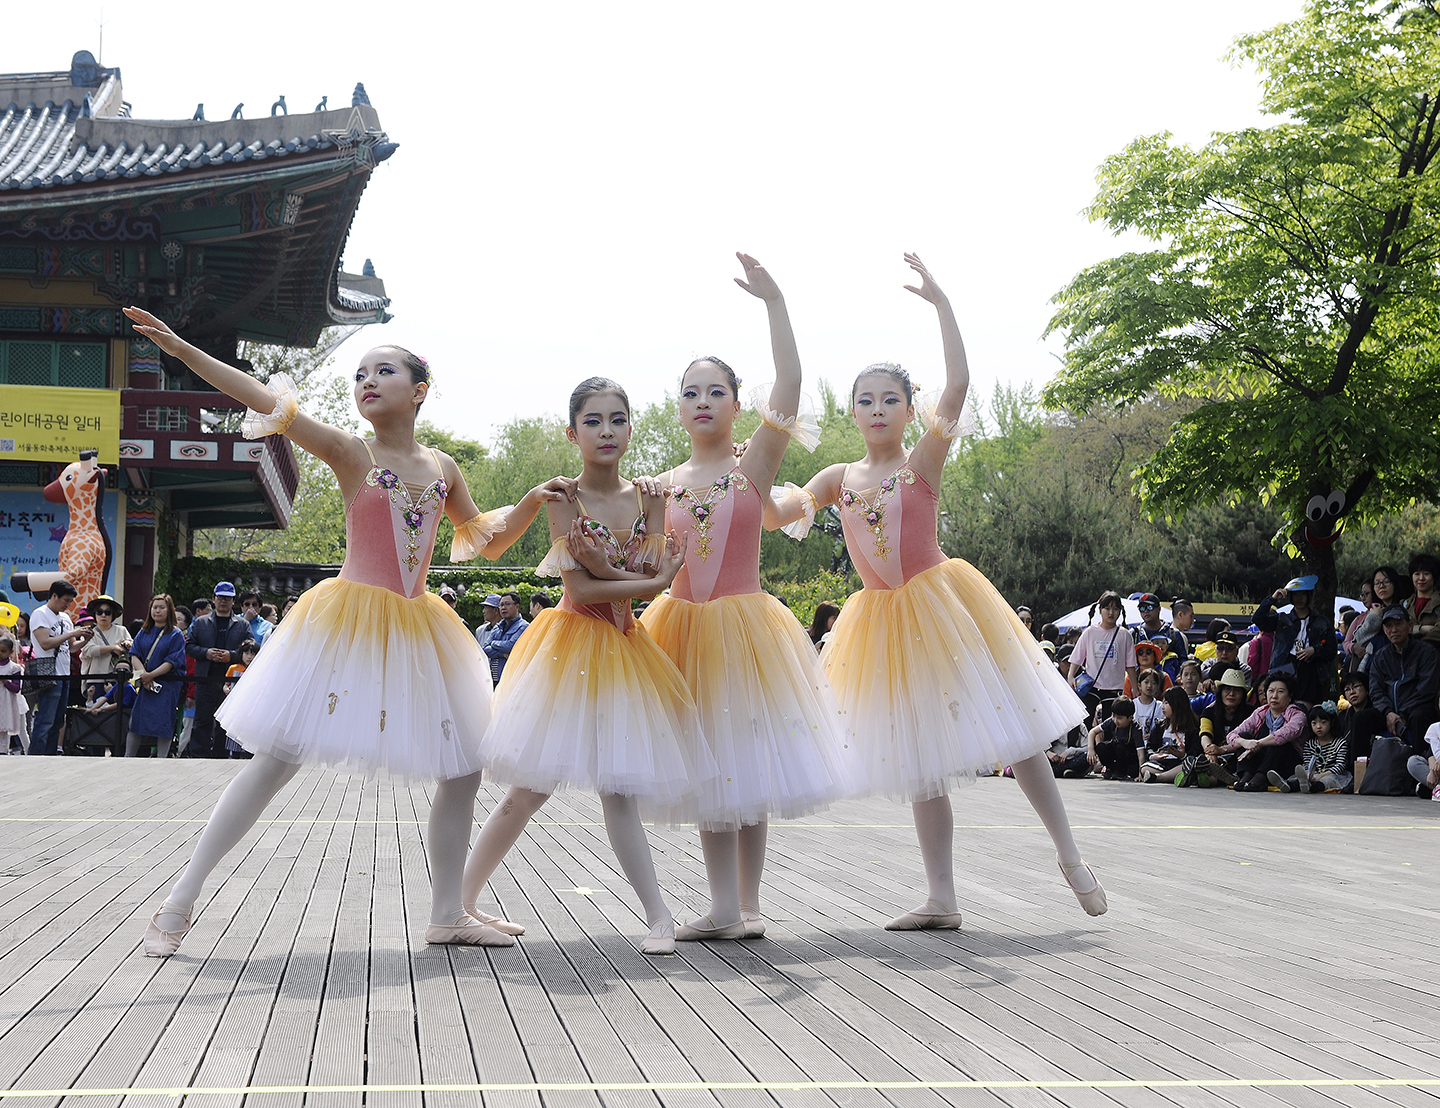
column 41, row 423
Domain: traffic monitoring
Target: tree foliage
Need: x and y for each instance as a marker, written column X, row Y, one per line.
column 1291, row 299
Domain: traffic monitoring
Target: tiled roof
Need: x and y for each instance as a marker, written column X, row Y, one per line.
column 44, row 146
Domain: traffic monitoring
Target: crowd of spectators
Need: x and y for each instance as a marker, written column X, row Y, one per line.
column 86, row 682
column 1295, row 702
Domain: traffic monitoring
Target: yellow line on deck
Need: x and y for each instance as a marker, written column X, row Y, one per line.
column 1433, row 825
column 751, row 1086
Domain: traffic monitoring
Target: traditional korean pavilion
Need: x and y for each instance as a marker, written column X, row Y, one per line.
column 228, row 230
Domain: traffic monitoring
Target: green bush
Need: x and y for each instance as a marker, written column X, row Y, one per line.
column 803, row 597
column 475, row 583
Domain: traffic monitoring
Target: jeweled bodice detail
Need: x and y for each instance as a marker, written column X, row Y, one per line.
column 385, row 506
column 412, row 511
column 890, row 530
column 618, row 554
column 701, row 504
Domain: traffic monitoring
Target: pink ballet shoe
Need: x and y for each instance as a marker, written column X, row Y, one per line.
column 921, row 920
column 704, row 928
column 504, row 926
column 474, row 933
column 160, row 943
column 754, row 924
column 661, row 939
column 1093, row 901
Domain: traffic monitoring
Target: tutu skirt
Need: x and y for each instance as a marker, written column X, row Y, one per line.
column 939, row 679
column 768, row 713
column 364, row 679
column 582, row 704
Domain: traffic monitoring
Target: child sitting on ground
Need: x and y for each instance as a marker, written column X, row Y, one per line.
column 1117, row 745
column 1325, row 758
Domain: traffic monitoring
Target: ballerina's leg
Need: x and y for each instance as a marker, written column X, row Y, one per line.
column 722, row 870
column 501, row 831
column 447, row 841
column 751, row 846
column 240, row 805
column 632, row 849
column 1037, row 781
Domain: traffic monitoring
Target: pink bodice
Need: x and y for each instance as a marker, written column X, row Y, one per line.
column 724, row 522
column 622, row 555
column 390, row 532
column 890, row 530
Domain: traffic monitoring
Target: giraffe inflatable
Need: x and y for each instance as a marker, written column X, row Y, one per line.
column 85, row 552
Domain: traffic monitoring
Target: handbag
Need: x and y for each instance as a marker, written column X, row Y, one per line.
column 1085, row 684
column 1385, row 774
column 38, row 667
column 135, row 681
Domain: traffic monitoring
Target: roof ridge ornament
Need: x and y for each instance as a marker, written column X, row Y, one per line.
column 280, row 106
column 360, row 96
column 199, row 115
column 236, row 113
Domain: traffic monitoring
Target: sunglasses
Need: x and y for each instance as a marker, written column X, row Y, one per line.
column 1149, row 607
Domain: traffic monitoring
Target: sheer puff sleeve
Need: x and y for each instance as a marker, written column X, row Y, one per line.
column 651, row 550
column 947, row 429
column 472, row 536
column 276, row 422
column 781, row 494
column 557, row 558
column 803, row 426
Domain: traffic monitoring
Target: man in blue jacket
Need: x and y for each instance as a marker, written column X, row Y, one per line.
column 500, row 639
column 214, row 642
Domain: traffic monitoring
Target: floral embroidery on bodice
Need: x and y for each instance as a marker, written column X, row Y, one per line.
column 890, row 530
column 385, row 504
column 724, row 522
column 617, row 553
column 702, row 505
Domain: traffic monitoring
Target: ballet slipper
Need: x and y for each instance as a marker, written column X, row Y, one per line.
column 754, row 923
column 473, row 933
column 704, row 928
column 1092, row 901
column 160, row 943
column 661, row 939
column 922, row 919
column 500, row 923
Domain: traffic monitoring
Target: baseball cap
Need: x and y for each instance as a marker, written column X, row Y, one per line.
column 1395, row 613
column 1047, row 646
column 1302, row 584
column 224, row 588
column 492, row 601
column 1149, row 647
column 1225, row 638
column 446, row 590
column 1147, row 600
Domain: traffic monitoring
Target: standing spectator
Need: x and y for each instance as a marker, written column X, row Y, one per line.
column 1387, row 590
column 1325, row 760
column 200, row 606
column 825, row 616
column 215, row 640
column 51, row 636
column 183, row 619
column 290, row 602
column 1107, row 653
column 539, row 601
column 452, row 599
column 1117, row 746
column 1367, row 594
column 1404, row 679
column 109, row 647
column 1304, row 647
column 1152, row 624
column 490, row 617
column 21, row 654
column 1051, row 634
column 1270, row 738
column 12, row 704
column 257, row 625
column 1182, row 616
column 1027, row 617
column 1424, row 612
column 158, row 662
column 501, row 639
column 1359, row 722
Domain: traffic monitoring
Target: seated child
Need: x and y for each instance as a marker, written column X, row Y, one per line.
column 1117, row 745
column 1325, row 759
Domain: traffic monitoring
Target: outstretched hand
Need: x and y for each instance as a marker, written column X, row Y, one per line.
column 928, row 289
column 758, row 282
column 557, row 488
column 156, row 330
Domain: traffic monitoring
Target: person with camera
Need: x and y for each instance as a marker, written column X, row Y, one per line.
column 51, row 635
column 157, row 661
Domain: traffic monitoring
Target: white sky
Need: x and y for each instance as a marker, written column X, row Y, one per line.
column 574, row 178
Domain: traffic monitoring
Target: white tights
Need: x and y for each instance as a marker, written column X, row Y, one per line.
column 507, row 820
column 250, row 792
column 935, row 828
column 734, row 865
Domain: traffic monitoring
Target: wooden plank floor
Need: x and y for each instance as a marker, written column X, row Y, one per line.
column 1260, row 950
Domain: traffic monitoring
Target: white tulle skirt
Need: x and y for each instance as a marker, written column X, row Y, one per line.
column 939, row 680
column 767, row 710
column 364, row 679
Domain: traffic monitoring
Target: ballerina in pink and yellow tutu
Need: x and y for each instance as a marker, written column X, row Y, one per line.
column 369, row 671
column 937, row 677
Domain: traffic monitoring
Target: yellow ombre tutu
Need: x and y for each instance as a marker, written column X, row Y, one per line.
column 369, row 671
column 767, row 711
column 584, row 704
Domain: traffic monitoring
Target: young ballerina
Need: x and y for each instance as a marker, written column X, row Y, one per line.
column 936, row 676
column 766, row 709
column 369, row 671
column 587, row 698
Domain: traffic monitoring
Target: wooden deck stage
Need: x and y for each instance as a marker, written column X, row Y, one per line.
column 1259, row 950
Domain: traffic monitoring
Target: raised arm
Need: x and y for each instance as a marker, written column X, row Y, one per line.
column 767, row 444
column 330, row 444
column 928, row 457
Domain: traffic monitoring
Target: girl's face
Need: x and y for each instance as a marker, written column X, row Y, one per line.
column 707, row 406
column 246, row 657
column 1321, row 726
column 880, row 409
column 22, row 628
column 602, row 429
column 158, row 611
column 4, row 651
column 830, row 621
column 1109, row 614
column 1190, row 680
column 1167, row 711
column 1150, row 688
column 1424, row 581
column 383, row 386
column 1277, row 697
column 1383, row 587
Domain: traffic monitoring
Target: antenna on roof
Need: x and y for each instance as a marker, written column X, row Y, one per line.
column 101, row 59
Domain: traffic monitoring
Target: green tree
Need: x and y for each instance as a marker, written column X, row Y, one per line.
column 1293, row 297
